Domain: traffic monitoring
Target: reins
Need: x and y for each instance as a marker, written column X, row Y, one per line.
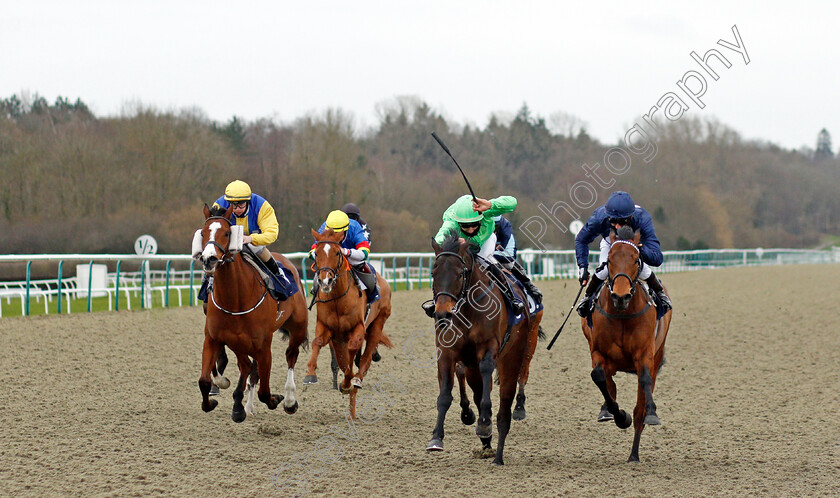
column 634, row 282
column 335, row 272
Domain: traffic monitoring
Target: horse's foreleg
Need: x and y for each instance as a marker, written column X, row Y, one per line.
column 485, row 408
column 321, row 339
column 467, row 415
column 263, row 358
column 473, row 376
column 244, row 364
column 251, row 388
column 507, row 389
column 599, row 376
column 445, row 369
column 345, row 363
column 208, row 358
column 354, row 345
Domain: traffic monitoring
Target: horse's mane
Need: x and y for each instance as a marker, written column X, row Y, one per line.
column 451, row 243
column 624, row 233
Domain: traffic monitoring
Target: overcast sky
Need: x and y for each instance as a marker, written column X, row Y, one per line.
column 604, row 62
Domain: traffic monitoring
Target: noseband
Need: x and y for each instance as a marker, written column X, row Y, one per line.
column 227, row 257
column 633, row 281
column 465, row 273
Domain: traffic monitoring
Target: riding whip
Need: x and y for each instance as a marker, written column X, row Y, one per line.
column 446, row 149
column 567, row 318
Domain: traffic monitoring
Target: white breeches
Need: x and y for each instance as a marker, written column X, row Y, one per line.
column 488, row 248
column 604, row 272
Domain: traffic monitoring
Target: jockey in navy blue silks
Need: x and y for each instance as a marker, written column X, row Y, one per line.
column 619, row 210
column 505, row 254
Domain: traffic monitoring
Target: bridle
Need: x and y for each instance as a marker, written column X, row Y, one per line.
column 227, row 257
column 633, row 281
column 465, row 273
column 342, row 262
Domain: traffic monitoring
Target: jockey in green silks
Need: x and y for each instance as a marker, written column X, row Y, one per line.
column 473, row 221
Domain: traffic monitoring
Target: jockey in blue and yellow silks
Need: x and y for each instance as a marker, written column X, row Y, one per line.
column 257, row 217
column 355, row 246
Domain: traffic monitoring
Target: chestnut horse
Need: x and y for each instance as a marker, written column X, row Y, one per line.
column 341, row 306
column 471, row 321
column 242, row 316
column 626, row 336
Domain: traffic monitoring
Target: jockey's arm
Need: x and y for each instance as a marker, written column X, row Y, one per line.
column 269, row 227
column 501, row 205
column 649, row 243
column 587, row 234
column 447, row 227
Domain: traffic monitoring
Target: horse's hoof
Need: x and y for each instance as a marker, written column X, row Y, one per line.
column 376, row 357
column 519, row 414
column 356, row 382
column 605, row 416
column 468, row 417
column 222, row 382
column 652, row 419
column 238, row 415
column 210, row 405
column 498, row 461
column 345, row 390
column 625, row 421
column 435, row 444
column 214, row 390
column 291, row 409
column 484, row 430
column 633, row 459
column 310, row 379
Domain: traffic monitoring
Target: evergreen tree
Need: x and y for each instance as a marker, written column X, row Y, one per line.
column 823, row 151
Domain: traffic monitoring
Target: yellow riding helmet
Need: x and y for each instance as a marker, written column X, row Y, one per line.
column 338, row 221
column 237, row 191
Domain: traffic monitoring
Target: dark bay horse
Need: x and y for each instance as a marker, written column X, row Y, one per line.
column 470, row 325
column 625, row 336
column 242, row 316
column 341, row 306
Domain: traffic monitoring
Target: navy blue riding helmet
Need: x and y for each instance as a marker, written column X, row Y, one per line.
column 620, row 206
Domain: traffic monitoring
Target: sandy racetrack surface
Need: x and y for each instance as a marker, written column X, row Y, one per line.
column 108, row 404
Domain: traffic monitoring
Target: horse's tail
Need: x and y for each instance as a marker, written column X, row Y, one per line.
column 541, row 333
column 385, row 340
column 304, row 344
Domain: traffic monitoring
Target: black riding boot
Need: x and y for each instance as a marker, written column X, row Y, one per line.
column 271, row 264
column 584, row 307
column 499, row 276
column 656, row 286
column 520, row 273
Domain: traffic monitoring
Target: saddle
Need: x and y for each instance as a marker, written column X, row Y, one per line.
column 279, row 288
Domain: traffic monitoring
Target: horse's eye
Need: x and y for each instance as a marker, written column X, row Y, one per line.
column 227, row 233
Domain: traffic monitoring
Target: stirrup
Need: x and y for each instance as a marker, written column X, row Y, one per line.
column 517, row 306
column 584, row 307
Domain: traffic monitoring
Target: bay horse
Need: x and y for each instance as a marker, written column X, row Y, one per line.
column 340, row 309
column 471, row 321
column 626, row 337
column 243, row 316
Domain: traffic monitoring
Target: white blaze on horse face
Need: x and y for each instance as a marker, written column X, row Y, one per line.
column 210, row 249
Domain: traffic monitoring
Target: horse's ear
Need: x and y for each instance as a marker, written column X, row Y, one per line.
column 436, row 246
column 612, row 235
column 206, row 211
column 315, row 234
column 229, row 211
column 637, row 237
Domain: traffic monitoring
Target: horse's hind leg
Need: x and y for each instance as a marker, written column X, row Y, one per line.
column 219, row 380
column 297, row 337
column 251, row 388
column 334, row 367
column 473, row 376
column 208, row 358
column 311, row 377
column 467, row 415
column 599, row 376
